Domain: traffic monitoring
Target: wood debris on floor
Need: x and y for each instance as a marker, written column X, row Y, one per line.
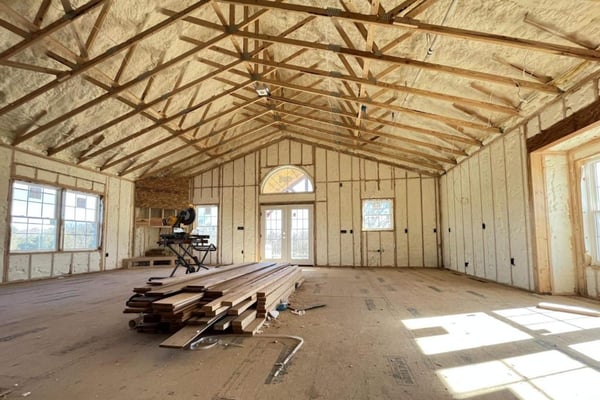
column 236, row 297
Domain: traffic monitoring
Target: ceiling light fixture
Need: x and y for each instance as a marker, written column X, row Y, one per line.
column 262, row 90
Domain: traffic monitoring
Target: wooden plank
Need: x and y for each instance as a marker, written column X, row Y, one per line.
column 565, row 128
column 243, row 320
column 184, row 336
column 254, row 326
column 224, row 323
column 178, row 301
column 243, row 306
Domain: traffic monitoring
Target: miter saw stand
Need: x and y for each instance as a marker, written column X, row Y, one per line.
column 183, row 244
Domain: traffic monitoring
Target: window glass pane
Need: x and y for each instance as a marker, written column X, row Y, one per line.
column 33, row 223
column 207, row 222
column 287, row 180
column 377, row 214
column 81, row 221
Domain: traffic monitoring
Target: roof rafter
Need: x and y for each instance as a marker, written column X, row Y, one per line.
column 119, row 88
column 111, row 52
column 401, row 150
column 413, row 24
column 60, row 23
column 154, row 160
column 368, row 55
column 391, row 124
column 392, row 107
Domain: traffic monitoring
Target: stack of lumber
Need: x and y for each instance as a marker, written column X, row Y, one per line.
column 235, row 297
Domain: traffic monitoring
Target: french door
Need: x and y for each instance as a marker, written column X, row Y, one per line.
column 287, row 233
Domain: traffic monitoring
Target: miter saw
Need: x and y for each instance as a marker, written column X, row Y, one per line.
column 183, row 244
column 185, row 217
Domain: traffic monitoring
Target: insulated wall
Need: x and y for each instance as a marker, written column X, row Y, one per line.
column 117, row 196
column 484, row 213
column 341, row 183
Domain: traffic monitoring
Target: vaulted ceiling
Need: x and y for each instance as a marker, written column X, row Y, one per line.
column 171, row 88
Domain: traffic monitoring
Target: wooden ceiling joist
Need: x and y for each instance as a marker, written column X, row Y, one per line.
column 413, row 24
column 322, row 121
column 120, row 88
column 392, row 107
column 165, row 120
column 35, row 37
column 394, row 136
column 390, row 86
column 111, row 52
column 403, row 61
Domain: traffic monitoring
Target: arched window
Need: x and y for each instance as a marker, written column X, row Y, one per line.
column 287, row 179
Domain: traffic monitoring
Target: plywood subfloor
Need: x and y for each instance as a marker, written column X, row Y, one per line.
column 384, row 334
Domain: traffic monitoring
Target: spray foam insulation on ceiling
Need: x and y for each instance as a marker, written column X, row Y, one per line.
column 155, row 88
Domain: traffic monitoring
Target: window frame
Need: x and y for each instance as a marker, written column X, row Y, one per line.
column 362, row 215
column 59, row 218
column 56, row 216
column 216, row 226
column 98, row 219
column 590, row 207
column 280, row 168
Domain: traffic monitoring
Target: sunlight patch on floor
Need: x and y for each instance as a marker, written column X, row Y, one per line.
column 553, row 322
column 588, row 349
column 546, row 375
column 465, row 331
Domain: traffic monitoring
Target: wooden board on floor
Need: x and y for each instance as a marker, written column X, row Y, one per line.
column 184, row 336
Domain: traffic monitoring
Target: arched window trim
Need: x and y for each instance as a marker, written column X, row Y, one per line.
column 277, row 169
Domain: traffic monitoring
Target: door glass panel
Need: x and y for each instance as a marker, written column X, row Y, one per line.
column 299, row 234
column 273, row 234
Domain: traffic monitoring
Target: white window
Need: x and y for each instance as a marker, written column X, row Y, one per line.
column 590, row 190
column 33, row 217
column 36, row 222
column 207, row 222
column 377, row 215
column 81, row 221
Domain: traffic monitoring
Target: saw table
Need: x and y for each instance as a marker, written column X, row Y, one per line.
column 183, row 246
